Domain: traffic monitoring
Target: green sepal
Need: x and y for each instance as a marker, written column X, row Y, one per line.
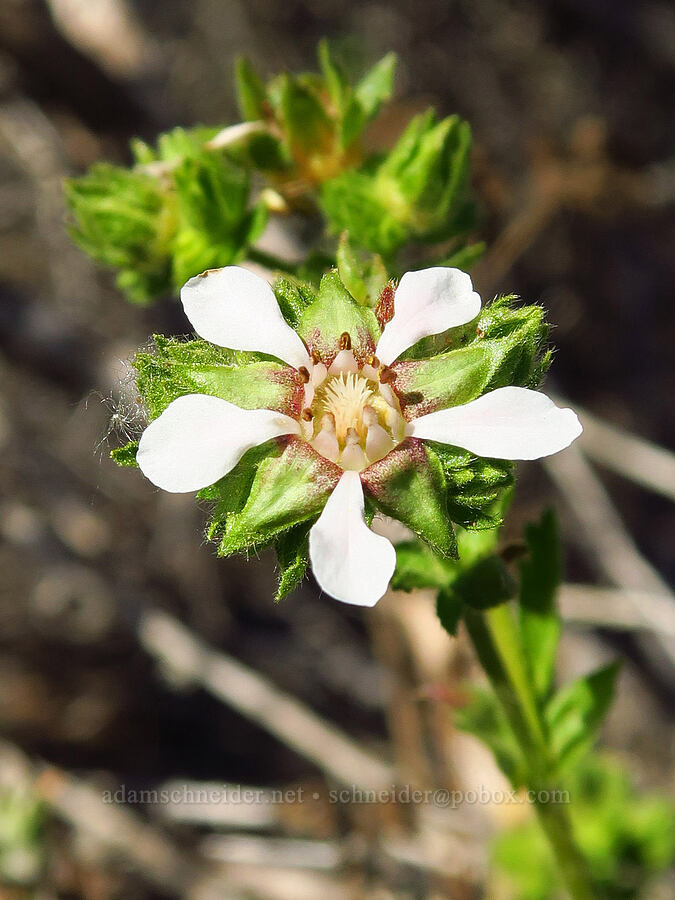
column 504, row 345
column 229, row 495
column 409, row 485
column 178, row 367
column 293, row 297
column 540, row 576
column 290, row 486
column 292, row 550
column 333, row 313
column 576, row 711
column 126, row 456
column 363, row 276
column 478, row 489
column 450, row 379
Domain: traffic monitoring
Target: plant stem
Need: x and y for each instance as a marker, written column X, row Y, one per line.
column 270, row 261
column 495, row 639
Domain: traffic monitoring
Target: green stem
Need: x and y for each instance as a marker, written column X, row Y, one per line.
column 270, row 261
column 495, row 639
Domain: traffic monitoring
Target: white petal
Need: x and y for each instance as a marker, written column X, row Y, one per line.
column 509, row 423
column 198, row 439
column 427, row 302
column 234, row 308
column 349, row 561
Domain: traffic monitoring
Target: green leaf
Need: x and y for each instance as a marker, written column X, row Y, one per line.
column 333, row 313
column 126, row 456
column 540, row 576
column 418, row 566
column 449, row 609
column 287, row 489
column 336, row 83
column 576, row 711
column 293, row 556
column 483, row 717
column 307, row 128
column 376, row 86
column 364, row 278
column 251, row 92
column 486, row 584
column 408, row 485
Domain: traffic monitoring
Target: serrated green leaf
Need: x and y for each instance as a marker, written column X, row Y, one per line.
column 576, row 711
column 540, row 577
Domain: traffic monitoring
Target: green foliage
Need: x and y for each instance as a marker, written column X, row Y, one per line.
column 575, row 713
column 182, row 209
column 626, row 838
column 418, row 192
column 470, row 577
column 316, row 119
column 125, row 220
column 540, row 575
column 481, row 579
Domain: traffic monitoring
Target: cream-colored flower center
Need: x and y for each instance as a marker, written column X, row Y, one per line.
column 351, row 416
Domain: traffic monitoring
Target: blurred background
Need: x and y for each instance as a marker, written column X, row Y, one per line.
column 111, row 606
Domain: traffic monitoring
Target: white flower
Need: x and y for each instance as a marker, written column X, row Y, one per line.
column 350, row 414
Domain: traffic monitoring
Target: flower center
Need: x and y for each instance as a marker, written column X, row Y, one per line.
column 351, row 415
